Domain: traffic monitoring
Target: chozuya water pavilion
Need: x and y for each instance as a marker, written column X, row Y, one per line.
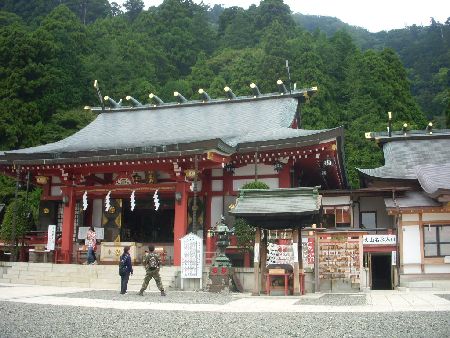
column 194, row 154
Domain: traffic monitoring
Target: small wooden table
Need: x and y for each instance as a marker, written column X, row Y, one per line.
column 81, row 255
column 45, row 255
column 286, row 281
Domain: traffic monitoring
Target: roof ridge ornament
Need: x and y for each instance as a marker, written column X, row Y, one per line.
column 281, row 87
column 405, row 128
column 99, row 94
column 255, row 90
column 132, row 99
column 229, row 93
column 156, row 99
column 205, row 96
column 113, row 103
column 180, row 98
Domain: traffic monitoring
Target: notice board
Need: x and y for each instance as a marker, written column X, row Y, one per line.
column 191, row 256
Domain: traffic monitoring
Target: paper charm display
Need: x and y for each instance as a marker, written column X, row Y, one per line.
column 108, row 201
column 132, row 201
column 156, row 200
column 85, row 201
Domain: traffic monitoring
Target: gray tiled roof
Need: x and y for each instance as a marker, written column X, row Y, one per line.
column 411, row 199
column 434, row 177
column 401, row 157
column 295, row 201
column 233, row 122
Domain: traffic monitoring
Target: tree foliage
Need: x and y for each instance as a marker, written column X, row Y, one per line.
column 19, row 214
column 51, row 51
column 244, row 232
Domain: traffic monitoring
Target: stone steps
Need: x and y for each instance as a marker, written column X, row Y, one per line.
column 85, row 276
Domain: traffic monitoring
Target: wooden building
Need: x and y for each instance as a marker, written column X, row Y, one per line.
column 417, row 171
column 194, row 154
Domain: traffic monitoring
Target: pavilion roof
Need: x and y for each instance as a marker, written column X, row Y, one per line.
column 221, row 125
column 403, row 154
column 434, row 178
column 411, row 199
column 278, row 208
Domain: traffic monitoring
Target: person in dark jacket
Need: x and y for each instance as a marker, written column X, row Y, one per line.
column 124, row 278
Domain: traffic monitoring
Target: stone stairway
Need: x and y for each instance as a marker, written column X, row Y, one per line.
column 86, row 276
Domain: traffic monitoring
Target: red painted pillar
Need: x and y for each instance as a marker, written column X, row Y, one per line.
column 284, row 179
column 246, row 259
column 181, row 220
column 68, row 224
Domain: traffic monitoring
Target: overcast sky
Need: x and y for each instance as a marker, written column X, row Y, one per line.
column 373, row 15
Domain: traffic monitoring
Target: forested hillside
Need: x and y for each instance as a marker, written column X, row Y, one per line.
column 51, row 51
column 424, row 51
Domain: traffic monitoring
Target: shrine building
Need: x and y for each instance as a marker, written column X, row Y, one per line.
column 417, row 170
column 151, row 173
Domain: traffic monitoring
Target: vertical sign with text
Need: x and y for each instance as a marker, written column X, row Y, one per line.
column 51, row 237
column 191, row 256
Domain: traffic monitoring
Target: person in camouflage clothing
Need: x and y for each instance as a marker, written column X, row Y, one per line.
column 152, row 263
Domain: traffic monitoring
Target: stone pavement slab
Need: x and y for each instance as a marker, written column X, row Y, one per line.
column 387, row 301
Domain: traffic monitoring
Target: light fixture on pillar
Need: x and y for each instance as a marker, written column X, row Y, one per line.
column 278, row 166
column 155, row 98
column 41, row 180
column 205, row 96
column 113, row 103
column 328, row 162
column 255, row 90
column 429, row 129
column 405, row 128
column 281, row 87
column 178, row 196
column 136, row 178
column 229, row 168
column 229, row 93
column 180, row 98
column 65, row 199
column 132, row 99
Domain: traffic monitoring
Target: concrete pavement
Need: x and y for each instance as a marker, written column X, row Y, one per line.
column 374, row 301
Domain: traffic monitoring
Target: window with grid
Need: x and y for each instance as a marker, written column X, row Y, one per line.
column 436, row 240
column 61, row 216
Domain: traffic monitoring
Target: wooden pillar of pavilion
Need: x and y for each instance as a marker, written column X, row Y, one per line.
column 263, row 250
column 295, row 239
column 256, row 262
column 181, row 220
column 68, row 224
column 284, row 177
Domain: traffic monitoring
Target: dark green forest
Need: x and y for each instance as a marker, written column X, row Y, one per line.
column 52, row 50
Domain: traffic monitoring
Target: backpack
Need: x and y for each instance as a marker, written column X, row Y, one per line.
column 123, row 266
column 152, row 262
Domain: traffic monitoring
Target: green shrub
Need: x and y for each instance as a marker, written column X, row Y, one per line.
column 24, row 220
column 255, row 185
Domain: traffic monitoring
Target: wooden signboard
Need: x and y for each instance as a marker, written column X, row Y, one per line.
column 191, row 257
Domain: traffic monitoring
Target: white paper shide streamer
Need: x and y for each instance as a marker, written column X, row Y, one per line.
column 132, row 200
column 85, row 201
column 156, row 200
column 108, row 201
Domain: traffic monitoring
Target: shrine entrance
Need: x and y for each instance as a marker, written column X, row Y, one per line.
column 144, row 224
column 380, row 267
